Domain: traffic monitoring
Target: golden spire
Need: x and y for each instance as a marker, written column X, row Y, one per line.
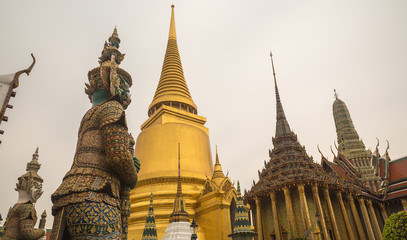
column 179, row 214
column 172, row 90
column 172, row 34
column 218, row 173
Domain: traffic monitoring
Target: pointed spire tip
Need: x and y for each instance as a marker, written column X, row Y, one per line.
column 172, row 34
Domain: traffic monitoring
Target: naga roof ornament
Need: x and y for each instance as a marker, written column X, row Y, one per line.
column 8, row 83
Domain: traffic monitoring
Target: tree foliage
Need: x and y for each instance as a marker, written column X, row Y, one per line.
column 396, row 226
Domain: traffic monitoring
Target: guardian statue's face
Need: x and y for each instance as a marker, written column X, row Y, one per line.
column 35, row 191
column 124, row 93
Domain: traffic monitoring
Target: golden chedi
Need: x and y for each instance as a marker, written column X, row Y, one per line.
column 173, row 119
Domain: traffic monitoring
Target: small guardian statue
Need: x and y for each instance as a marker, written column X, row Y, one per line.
column 93, row 201
column 22, row 216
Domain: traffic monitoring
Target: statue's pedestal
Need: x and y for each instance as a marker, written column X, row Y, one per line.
column 178, row 231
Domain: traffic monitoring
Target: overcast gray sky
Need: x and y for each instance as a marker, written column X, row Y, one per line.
column 357, row 47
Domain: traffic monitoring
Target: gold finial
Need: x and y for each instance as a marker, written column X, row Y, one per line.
column 217, row 157
column 172, row 34
column 217, row 171
column 179, row 213
column 179, row 188
column 388, row 145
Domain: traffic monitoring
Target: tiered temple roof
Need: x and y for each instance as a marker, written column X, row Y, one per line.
column 289, row 162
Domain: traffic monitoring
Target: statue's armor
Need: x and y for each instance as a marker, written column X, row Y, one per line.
column 90, row 199
column 91, row 177
column 20, row 223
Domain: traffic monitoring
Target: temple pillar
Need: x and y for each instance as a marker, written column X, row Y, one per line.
column 258, row 219
column 359, row 227
column 317, row 202
column 290, row 212
column 345, row 216
column 384, row 212
column 366, row 218
column 304, row 206
column 249, row 213
column 404, row 203
column 331, row 213
column 275, row 216
column 374, row 219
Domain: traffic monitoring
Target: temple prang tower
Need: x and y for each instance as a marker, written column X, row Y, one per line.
column 352, row 147
column 173, row 118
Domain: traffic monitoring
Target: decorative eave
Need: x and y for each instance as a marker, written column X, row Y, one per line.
column 11, row 81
